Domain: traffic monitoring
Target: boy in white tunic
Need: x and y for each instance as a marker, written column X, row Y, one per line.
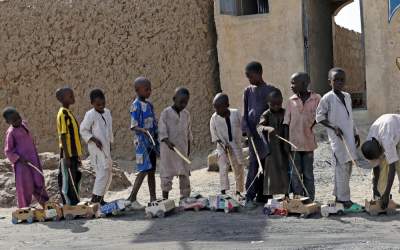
column 382, row 150
column 226, row 132
column 96, row 131
column 335, row 113
column 175, row 131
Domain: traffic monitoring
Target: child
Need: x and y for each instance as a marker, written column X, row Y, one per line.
column 96, row 131
column 175, row 131
column 69, row 176
column 20, row 149
column 300, row 117
column 255, row 100
column 335, row 112
column 225, row 127
column 276, row 178
column 144, row 124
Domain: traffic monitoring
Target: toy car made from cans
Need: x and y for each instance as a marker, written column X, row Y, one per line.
column 276, row 207
column 83, row 209
column 332, row 207
column 115, row 207
column 223, row 202
column 22, row 215
column 374, row 208
column 196, row 203
column 159, row 208
column 303, row 206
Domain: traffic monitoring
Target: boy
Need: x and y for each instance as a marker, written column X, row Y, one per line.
column 225, row 127
column 20, row 149
column 255, row 100
column 175, row 131
column 144, row 124
column 276, row 178
column 300, row 117
column 381, row 149
column 335, row 113
column 96, row 131
column 69, row 176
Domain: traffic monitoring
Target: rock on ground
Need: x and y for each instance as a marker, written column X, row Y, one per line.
column 50, row 167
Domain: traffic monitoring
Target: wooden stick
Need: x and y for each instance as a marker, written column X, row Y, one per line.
column 36, row 168
column 260, row 169
column 73, row 182
column 351, row 157
column 182, row 156
column 298, row 174
column 151, row 138
column 288, row 142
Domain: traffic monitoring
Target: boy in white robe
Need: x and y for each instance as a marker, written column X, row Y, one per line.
column 96, row 131
column 226, row 132
column 175, row 131
column 335, row 113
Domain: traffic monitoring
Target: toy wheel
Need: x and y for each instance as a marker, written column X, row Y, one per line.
column 148, row 215
column 30, row 220
column 69, row 217
column 325, row 214
column 226, row 210
column 14, row 220
column 341, row 213
column 196, row 209
column 160, row 214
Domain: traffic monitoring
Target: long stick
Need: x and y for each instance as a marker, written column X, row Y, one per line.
column 36, row 168
column 298, row 174
column 288, row 142
column 151, row 138
column 257, row 156
column 182, row 156
column 351, row 157
column 73, row 182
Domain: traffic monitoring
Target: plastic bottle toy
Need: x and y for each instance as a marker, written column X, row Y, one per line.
column 23, row 214
column 159, row 208
column 115, row 207
column 196, row 203
column 373, row 207
column 223, row 202
column 83, row 209
column 332, row 208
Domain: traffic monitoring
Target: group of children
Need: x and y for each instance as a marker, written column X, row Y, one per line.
column 281, row 142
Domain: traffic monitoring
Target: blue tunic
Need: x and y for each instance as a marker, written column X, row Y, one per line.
column 143, row 116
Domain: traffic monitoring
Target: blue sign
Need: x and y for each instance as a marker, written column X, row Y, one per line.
column 394, row 5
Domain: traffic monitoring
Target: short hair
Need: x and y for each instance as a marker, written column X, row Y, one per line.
column 8, row 112
column 96, row 93
column 221, row 99
column 61, row 92
column 182, row 91
column 255, row 67
column 302, row 75
column 140, row 81
column 371, row 149
column 333, row 70
column 276, row 93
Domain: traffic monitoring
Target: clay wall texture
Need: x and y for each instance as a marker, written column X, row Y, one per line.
column 106, row 44
column 382, row 46
column 275, row 39
column 348, row 53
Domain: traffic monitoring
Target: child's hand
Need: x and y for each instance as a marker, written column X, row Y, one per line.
column 228, row 148
column 97, row 142
column 23, row 160
column 358, row 141
column 338, row 132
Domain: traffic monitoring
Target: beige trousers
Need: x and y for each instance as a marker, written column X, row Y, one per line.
column 224, row 161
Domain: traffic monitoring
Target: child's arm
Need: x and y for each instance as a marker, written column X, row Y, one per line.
column 190, row 139
column 163, row 131
column 10, row 152
column 86, row 130
column 245, row 127
column 322, row 117
column 263, row 126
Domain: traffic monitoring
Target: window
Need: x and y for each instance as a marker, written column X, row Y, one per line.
column 243, row 7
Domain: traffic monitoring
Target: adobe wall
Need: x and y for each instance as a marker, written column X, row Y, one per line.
column 106, row 44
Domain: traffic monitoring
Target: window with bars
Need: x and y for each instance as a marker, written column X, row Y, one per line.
column 243, row 7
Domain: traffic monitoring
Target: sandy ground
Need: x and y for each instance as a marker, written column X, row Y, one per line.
column 210, row 230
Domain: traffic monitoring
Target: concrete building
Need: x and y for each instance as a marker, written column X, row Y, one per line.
column 300, row 35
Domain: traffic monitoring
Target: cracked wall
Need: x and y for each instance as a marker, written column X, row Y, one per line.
column 106, row 44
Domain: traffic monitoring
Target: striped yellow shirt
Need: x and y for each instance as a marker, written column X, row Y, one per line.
column 67, row 124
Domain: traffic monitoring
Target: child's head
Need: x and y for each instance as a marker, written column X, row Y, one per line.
column 254, row 73
column 181, row 98
column 372, row 151
column 275, row 100
column 337, row 78
column 142, row 87
column 98, row 100
column 65, row 96
column 299, row 82
column 221, row 104
column 12, row 117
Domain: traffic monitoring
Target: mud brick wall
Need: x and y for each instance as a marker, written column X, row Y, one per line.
column 106, row 44
column 348, row 53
